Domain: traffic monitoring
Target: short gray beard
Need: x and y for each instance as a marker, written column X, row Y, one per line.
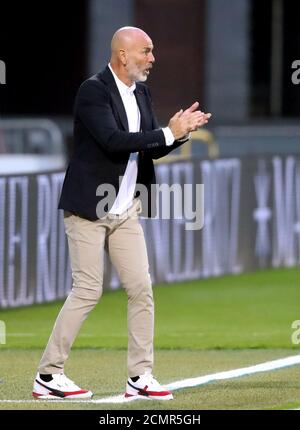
column 137, row 76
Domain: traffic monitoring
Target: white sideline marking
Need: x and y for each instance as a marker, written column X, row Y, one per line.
column 191, row 382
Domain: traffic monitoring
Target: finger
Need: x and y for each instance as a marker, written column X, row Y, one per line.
column 203, row 116
column 192, row 108
column 200, row 114
column 199, row 122
column 195, row 116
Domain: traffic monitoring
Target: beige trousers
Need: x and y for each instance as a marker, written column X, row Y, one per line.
column 122, row 236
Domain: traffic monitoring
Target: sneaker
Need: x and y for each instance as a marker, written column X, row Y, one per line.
column 147, row 387
column 59, row 387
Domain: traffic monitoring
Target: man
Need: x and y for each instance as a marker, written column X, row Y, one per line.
column 116, row 136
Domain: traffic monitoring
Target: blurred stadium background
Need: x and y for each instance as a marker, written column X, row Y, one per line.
column 227, row 294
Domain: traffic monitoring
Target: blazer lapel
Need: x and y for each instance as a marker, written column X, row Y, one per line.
column 140, row 96
column 108, row 78
column 117, row 99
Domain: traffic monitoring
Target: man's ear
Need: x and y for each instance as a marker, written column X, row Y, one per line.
column 123, row 57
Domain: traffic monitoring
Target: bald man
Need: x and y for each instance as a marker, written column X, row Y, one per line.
column 116, row 138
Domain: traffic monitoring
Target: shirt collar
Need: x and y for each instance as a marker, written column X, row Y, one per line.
column 123, row 88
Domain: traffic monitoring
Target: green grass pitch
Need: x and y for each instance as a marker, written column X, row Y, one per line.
column 201, row 327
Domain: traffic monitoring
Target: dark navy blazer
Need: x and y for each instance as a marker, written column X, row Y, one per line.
column 102, row 144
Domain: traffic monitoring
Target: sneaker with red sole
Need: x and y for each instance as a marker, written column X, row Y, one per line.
column 146, row 386
column 59, row 387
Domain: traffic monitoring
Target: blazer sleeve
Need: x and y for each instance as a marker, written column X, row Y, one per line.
column 93, row 108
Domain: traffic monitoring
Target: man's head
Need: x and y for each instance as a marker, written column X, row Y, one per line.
column 131, row 54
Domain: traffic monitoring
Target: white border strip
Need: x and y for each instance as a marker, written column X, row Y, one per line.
column 264, row 367
column 191, row 382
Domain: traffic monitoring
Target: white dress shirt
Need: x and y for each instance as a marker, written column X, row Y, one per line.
column 126, row 191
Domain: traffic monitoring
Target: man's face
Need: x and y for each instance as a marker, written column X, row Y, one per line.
column 140, row 59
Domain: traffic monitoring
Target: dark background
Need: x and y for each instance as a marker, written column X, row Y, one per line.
column 44, row 46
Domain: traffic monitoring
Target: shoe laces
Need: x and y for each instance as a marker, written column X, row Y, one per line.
column 63, row 380
column 150, row 379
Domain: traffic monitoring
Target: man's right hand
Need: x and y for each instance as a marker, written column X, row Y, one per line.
column 183, row 122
